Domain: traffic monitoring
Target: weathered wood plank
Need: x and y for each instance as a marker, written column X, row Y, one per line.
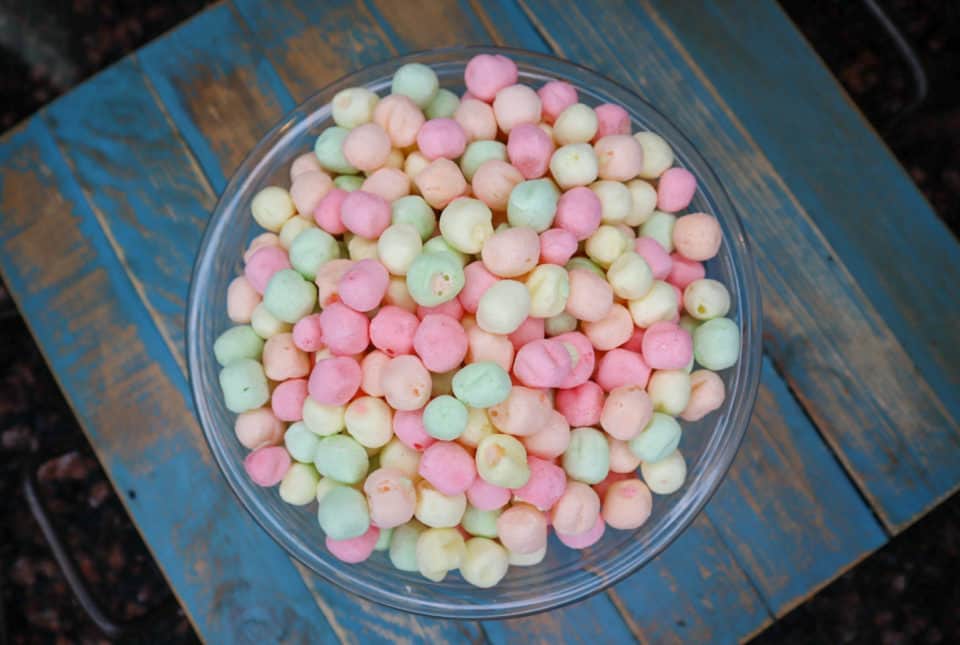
column 119, row 147
column 217, row 88
column 312, row 44
column 838, row 168
column 787, row 509
column 859, row 385
column 130, row 397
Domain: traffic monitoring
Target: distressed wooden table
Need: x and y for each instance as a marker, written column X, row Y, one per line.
column 105, row 193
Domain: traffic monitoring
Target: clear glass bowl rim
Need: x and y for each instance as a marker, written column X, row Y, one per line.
column 711, row 466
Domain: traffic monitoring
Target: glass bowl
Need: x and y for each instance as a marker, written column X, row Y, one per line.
column 566, row 575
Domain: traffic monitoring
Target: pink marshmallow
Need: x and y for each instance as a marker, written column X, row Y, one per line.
column 334, row 381
column 287, row 399
column 327, row 212
column 666, row 346
column 485, row 346
column 487, row 497
column 611, row 119
column 389, row 183
column 451, row 308
column 655, row 255
column 477, row 279
column 685, row 271
column 529, row 330
column 557, row 246
column 308, row 333
column 542, row 363
column 635, row 344
column 545, row 486
column 611, row 479
column 371, row 368
column 356, row 549
column 556, row 96
column 263, row 264
column 529, row 149
column 578, row 211
column 367, row 147
column 392, row 330
column 675, row 189
column 440, row 342
column 584, row 540
column 551, row 440
column 591, row 296
column 522, row 529
column 364, row 284
column 487, row 74
column 448, row 467
column 441, row 138
column 365, row 214
column 267, row 466
column 585, row 358
column 345, row 331
column 408, row 426
column 622, row 367
column 581, row 405
column 328, row 280
column 242, row 299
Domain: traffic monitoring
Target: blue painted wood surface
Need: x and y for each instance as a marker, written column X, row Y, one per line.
column 753, row 552
column 895, row 437
column 229, row 79
column 129, row 394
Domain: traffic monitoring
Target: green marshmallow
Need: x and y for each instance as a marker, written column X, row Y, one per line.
column 480, row 523
column 479, row 152
column 403, row 545
column 481, row 385
column 343, row 513
column 445, row 418
column 716, row 344
column 348, row 183
column 440, row 245
column 414, row 210
column 341, row 457
column 312, row 249
column 244, row 385
column 383, row 540
column 533, row 203
column 587, row 458
column 585, row 263
column 416, row 81
column 660, row 438
column 434, row 278
column 443, row 105
column 237, row 342
column 300, row 442
column 660, row 228
column 289, row 297
column 329, row 150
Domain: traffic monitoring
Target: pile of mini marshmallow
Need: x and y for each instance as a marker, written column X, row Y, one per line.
column 471, row 320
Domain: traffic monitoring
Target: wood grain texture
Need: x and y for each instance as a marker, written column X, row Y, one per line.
column 312, row 44
column 845, row 177
column 786, row 500
column 217, row 87
column 123, row 148
column 130, row 397
column 856, row 381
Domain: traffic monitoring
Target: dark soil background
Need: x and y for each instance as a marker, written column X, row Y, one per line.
column 905, row 593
